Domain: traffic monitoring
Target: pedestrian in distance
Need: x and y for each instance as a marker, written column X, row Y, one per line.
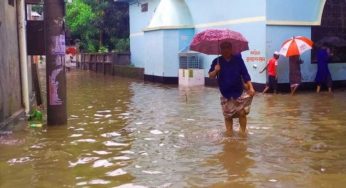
column 271, row 68
column 68, row 63
column 233, row 77
column 295, row 75
column 323, row 76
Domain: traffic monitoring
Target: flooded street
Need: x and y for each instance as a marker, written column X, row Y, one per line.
column 128, row 133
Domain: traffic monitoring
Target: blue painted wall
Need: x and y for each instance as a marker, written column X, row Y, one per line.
column 209, row 12
column 294, row 10
column 161, row 51
column 138, row 21
column 153, row 53
column 175, row 41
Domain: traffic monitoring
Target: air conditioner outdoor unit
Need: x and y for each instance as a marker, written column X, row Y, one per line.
column 191, row 72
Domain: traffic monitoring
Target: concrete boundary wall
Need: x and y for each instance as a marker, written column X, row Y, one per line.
column 10, row 80
column 117, row 64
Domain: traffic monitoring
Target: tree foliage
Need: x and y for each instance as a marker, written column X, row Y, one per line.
column 99, row 24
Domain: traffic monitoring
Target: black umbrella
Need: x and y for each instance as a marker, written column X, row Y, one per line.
column 332, row 41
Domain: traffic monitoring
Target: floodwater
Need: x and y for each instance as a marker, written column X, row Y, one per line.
column 128, row 133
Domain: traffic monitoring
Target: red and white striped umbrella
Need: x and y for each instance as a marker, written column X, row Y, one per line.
column 295, row 46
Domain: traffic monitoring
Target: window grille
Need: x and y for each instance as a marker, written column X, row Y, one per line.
column 189, row 60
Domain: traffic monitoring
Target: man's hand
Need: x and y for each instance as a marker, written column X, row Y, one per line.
column 249, row 88
column 251, row 91
column 217, row 68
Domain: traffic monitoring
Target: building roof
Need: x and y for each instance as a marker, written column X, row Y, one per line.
column 171, row 14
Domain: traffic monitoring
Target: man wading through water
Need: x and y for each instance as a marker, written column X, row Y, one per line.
column 232, row 76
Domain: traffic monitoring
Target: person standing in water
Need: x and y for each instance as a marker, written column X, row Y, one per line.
column 295, row 75
column 271, row 67
column 232, row 76
column 323, row 75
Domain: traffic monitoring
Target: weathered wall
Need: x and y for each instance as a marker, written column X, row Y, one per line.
column 10, row 92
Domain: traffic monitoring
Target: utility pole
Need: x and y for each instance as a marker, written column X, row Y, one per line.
column 54, row 27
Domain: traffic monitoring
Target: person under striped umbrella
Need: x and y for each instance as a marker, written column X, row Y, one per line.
column 293, row 48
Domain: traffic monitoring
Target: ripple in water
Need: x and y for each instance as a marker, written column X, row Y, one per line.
column 112, row 143
column 102, row 163
column 127, row 152
column 130, row 185
column 19, row 160
column 117, row 172
column 94, row 182
column 103, row 111
column 156, row 132
column 151, row 172
column 102, row 152
column 121, row 158
column 76, row 135
column 111, row 134
column 84, row 160
column 88, row 140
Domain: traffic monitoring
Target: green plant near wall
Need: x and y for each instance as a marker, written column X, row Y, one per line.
column 103, row 49
column 121, row 44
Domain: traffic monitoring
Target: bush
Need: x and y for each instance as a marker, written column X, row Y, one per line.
column 121, row 45
column 103, row 49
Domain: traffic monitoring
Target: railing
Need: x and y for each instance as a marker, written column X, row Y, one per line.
column 109, row 63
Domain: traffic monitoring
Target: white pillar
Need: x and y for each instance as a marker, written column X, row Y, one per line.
column 23, row 53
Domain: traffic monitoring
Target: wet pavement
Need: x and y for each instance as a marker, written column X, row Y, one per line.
column 128, row 133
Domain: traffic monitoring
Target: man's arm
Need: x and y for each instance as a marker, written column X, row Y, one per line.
column 264, row 68
column 249, row 88
column 215, row 72
column 214, row 69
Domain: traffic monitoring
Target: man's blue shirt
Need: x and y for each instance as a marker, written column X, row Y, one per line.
column 231, row 76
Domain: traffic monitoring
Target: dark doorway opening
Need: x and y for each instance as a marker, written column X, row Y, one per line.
column 332, row 31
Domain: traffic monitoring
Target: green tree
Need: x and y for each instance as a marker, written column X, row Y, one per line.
column 99, row 24
column 79, row 15
column 116, row 30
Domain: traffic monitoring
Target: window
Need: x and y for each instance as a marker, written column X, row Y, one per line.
column 35, row 12
column 11, row 2
column 144, row 7
column 332, row 31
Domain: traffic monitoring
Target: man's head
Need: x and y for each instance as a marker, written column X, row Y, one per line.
column 276, row 55
column 226, row 49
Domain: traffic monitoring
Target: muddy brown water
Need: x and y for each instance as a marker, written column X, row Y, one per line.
column 126, row 133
